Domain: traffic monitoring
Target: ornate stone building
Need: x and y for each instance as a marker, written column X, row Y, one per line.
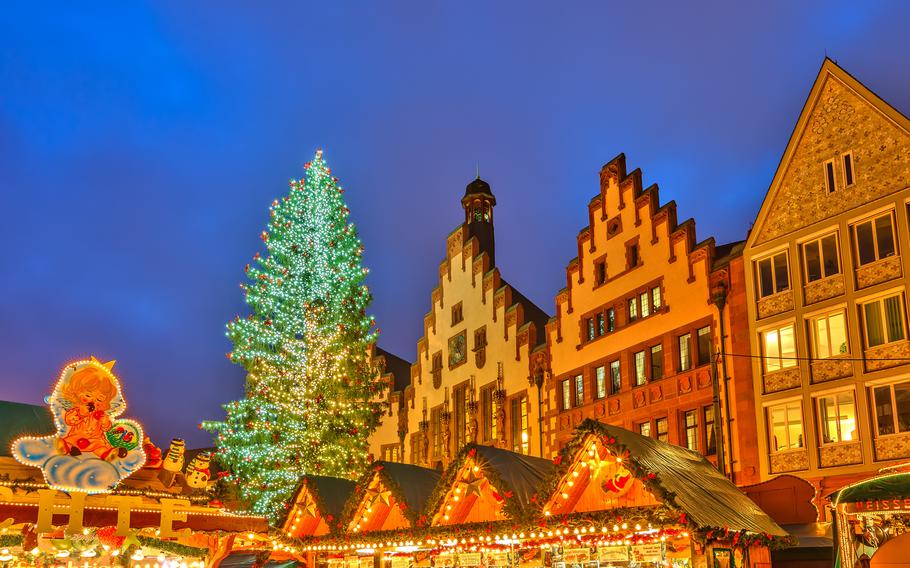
column 636, row 340
column 827, row 291
column 483, row 342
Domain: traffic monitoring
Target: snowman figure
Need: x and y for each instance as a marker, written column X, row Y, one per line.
column 197, row 474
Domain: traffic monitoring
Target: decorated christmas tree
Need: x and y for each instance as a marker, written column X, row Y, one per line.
column 310, row 388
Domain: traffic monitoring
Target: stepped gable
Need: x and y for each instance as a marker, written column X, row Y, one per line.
column 840, row 115
column 645, row 203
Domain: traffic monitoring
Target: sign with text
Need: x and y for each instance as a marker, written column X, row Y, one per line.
column 647, row 552
column 576, row 555
column 613, row 553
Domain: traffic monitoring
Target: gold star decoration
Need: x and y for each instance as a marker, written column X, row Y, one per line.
column 379, row 495
column 308, row 507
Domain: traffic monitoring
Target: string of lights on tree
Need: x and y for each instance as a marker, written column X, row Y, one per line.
column 311, row 390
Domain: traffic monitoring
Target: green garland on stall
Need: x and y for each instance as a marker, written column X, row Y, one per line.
column 11, row 540
column 174, row 548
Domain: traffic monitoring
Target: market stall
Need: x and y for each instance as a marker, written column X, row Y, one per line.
column 611, row 498
column 872, row 521
column 81, row 485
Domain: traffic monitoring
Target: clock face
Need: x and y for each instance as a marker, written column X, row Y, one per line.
column 458, row 347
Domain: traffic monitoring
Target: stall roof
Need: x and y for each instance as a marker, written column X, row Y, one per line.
column 689, row 482
column 520, row 474
column 414, row 483
column 18, row 419
column 886, row 486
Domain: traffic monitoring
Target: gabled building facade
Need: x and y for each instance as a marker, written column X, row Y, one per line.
column 636, row 340
column 482, row 341
column 827, row 273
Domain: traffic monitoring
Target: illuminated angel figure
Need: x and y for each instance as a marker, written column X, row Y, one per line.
column 93, row 450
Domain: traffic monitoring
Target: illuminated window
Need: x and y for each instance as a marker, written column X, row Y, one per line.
column 488, row 412
column 685, row 354
column 589, row 328
column 645, row 429
column 829, row 335
column 461, row 411
column 892, row 408
column 657, row 362
column 875, row 239
column 640, row 378
column 779, row 348
column 390, row 453
column 773, row 274
column 520, row 425
column 710, row 437
column 600, row 376
column 579, row 390
column 785, row 425
column 601, row 324
column 633, row 309
column 611, row 319
column 645, row 304
column 837, row 418
column 704, row 345
column 661, row 427
column 656, row 300
column 690, row 429
column 821, row 258
column 566, row 395
column 615, row 378
column 883, row 320
column 437, row 426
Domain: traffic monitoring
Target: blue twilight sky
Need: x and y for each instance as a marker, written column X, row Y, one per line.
column 141, row 143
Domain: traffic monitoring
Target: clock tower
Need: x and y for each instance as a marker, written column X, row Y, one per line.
column 478, row 203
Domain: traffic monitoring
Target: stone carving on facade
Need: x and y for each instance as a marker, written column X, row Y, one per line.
column 878, row 271
column 831, row 369
column 840, row 454
column 614, row 406
column 823, row 289
column 840, row 119
column 685, row 384
column 892, row 447
column 888, row 355
column 775, row 304
column 796, row 460
column 471, row 406
column 638, row 398
column 704, row 379
column 784, row 379
column 499, row 395
column 656, row 393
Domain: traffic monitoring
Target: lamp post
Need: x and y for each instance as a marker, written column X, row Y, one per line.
column 719, row 297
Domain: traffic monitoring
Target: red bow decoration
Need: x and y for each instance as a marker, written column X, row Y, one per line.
column 558, row 459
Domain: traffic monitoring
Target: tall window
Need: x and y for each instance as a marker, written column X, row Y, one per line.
column 615, row 378
column 779, row 348
column 611, row 319
column 704, row 345
column 600, row 379
column 456, row 314
column 633, row 309
column 662, row 431
column 416, row 448
column 520, row 425
column 656, row 300
column 884, row 320
column 579, row 390
column 437, row 426
column 390, row 453
column 601, row 324
column 632, row 255
column 600, row 272
column 773, row 274
column 488, row 412
column 785, row 423
column 690, row 429
column 645, row 429
column 820, row 258
column 837, row 418
column 461, row 430
column 657, row 362
column 829, row 176
column 847, row 160
column 685, row 354
column 645, row 304
column 566, row 395
column 710, row 438
column 589, row 328
column 875, row 238
column 829, row 335
column 480, row 338
column 892, row 408
column 640, row 378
